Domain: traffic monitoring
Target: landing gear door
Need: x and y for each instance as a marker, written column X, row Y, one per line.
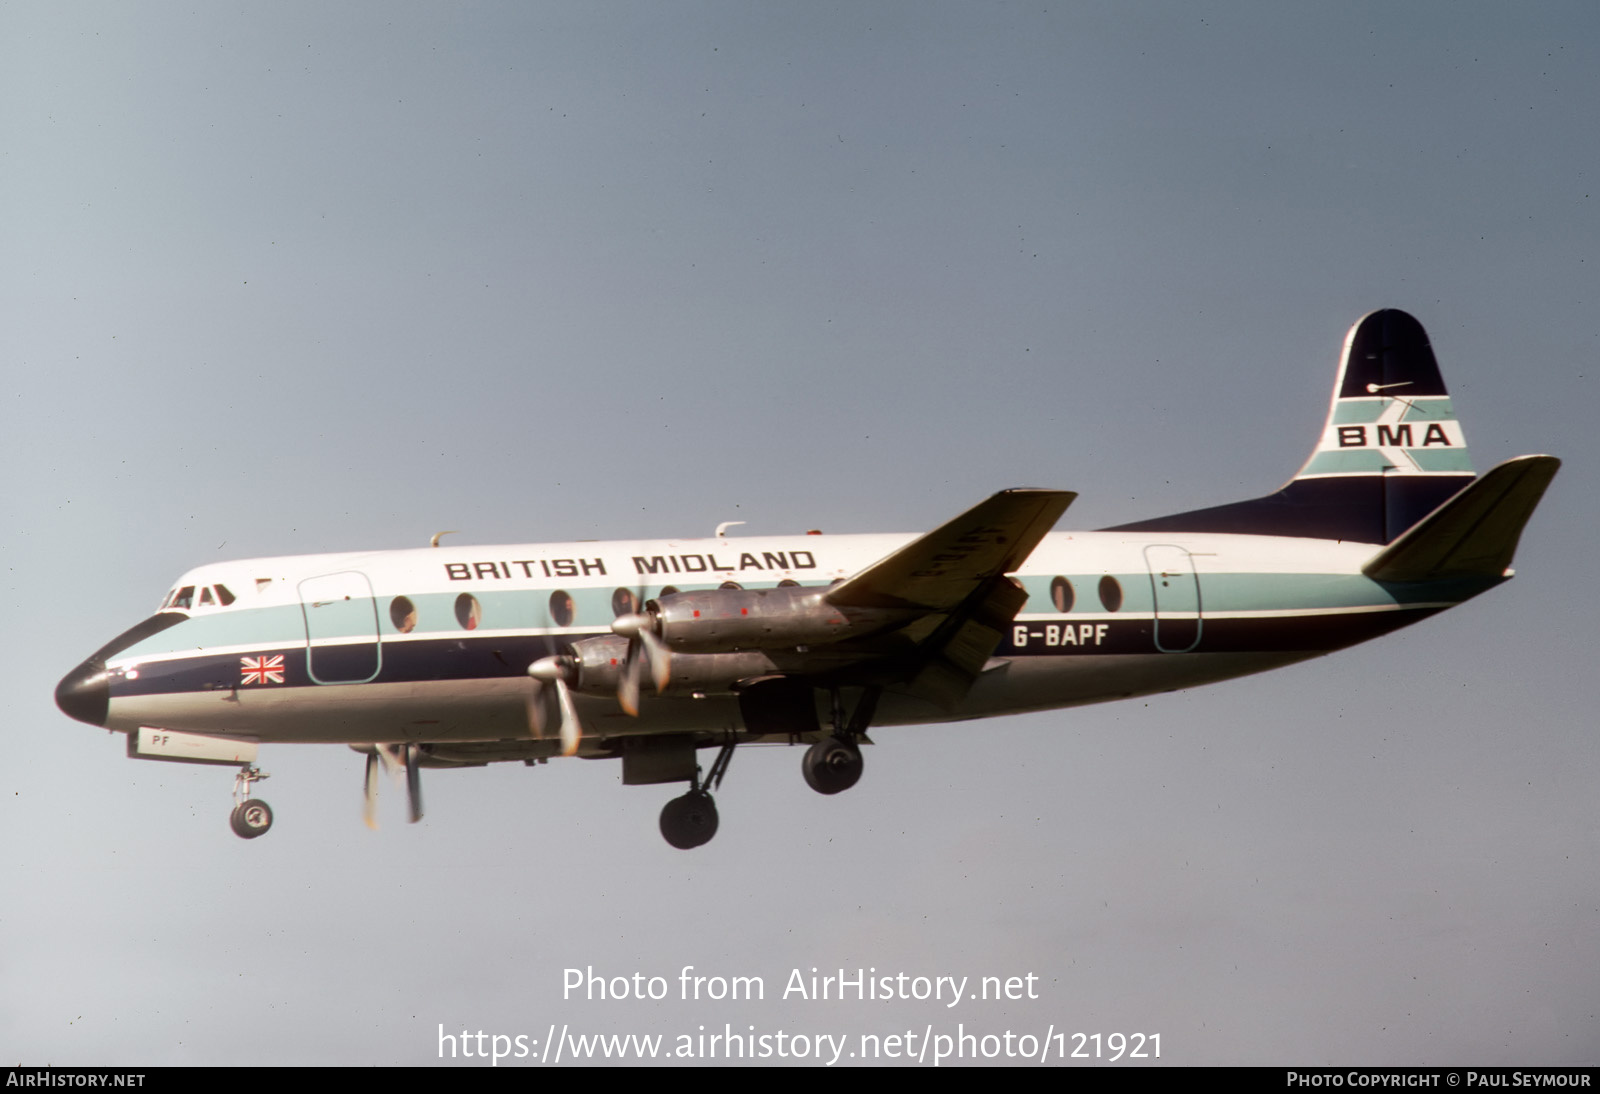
column 1177, row 598
column 341, row 628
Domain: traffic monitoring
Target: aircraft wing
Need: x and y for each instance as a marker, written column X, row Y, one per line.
column 941, row 570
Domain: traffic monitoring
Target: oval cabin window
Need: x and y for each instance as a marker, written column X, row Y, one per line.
column 1061, row 594
column 562, row 609
column 1110, row 593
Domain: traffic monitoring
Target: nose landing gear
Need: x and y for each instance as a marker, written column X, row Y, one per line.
column 251, row 817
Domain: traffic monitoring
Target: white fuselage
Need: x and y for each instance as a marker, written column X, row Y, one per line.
column 433, row 644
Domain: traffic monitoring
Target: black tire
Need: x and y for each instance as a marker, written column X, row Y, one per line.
column 250, row 819
column 690, row 820
column 831, row 765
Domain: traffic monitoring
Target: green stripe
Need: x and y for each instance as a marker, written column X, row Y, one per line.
column 1332, row 462
column 1441, row 459
column 1429, row 410
column 1351, row 411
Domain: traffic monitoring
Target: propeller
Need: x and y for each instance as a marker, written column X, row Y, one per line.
column 639, row 628
column 398, row 761
column 553, row 673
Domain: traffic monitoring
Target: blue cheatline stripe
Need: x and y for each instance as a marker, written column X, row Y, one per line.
column 492, row 657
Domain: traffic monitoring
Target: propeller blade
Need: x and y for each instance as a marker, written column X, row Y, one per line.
column 391, row 759
column 660, row 659
column 571, row 731
column 553, row 671
column 643, row 645
column 369, row 806
column 536, row 712
column 628, row 682
column 414, row 781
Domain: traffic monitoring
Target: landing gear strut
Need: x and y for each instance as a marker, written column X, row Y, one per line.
column 251, row 817
column 834, row 763
column 691, row 820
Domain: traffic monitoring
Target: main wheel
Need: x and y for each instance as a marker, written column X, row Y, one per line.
column 250, row 818
column 690, row 820
column 831, row 765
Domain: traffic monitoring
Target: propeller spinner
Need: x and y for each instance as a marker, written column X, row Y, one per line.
column 640, row 628
column 554, row 673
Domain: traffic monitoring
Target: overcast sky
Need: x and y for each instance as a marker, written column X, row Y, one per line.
column 294, row 277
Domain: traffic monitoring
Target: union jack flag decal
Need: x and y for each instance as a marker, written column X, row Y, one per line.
column 261, row 670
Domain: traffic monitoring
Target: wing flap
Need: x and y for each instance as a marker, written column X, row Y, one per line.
column 942, row 569
column 1475, row 533
column 955, row 656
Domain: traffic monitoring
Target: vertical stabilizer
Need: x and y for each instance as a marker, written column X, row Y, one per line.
column 1390, row 453
column 1391, row 414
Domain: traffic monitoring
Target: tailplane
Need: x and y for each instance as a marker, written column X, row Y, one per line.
column 1390, row 453
column 1474, row 534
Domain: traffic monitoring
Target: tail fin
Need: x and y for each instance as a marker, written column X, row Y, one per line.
column 1390, row 453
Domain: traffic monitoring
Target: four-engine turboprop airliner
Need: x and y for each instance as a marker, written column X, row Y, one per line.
column 650, row 651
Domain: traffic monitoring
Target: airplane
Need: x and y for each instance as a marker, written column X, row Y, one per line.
column 445, row 657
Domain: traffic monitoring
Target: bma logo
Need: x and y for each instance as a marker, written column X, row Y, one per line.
column 1394, row 436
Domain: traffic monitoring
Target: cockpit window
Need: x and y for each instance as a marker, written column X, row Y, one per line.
column 224, row 597
column 183, row 598
column 205, row 596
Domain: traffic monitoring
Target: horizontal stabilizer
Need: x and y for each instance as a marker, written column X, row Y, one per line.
column 943, row 568
column 1475, row 533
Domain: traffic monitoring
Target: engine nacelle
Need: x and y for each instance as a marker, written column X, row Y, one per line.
column 600, row 664
column 719, row 620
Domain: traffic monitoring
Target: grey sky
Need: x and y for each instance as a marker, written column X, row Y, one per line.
column 297, row 277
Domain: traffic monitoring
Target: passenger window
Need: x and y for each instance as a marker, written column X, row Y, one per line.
column 669, row 590
column 469, row 613
column 788, row 583
column 403, row 614
column 623, row 602
column 730, row 585
column 1061, row 594
column 1110, row 593
column 561, row 608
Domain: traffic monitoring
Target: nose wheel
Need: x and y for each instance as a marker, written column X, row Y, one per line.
column 251, row 817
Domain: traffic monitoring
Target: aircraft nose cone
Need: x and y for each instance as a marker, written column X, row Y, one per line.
column 84, row 693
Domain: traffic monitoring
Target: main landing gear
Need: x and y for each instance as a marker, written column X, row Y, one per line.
column 830, row 766
column 691, row 820
column 251, row 817
column 834, row 763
